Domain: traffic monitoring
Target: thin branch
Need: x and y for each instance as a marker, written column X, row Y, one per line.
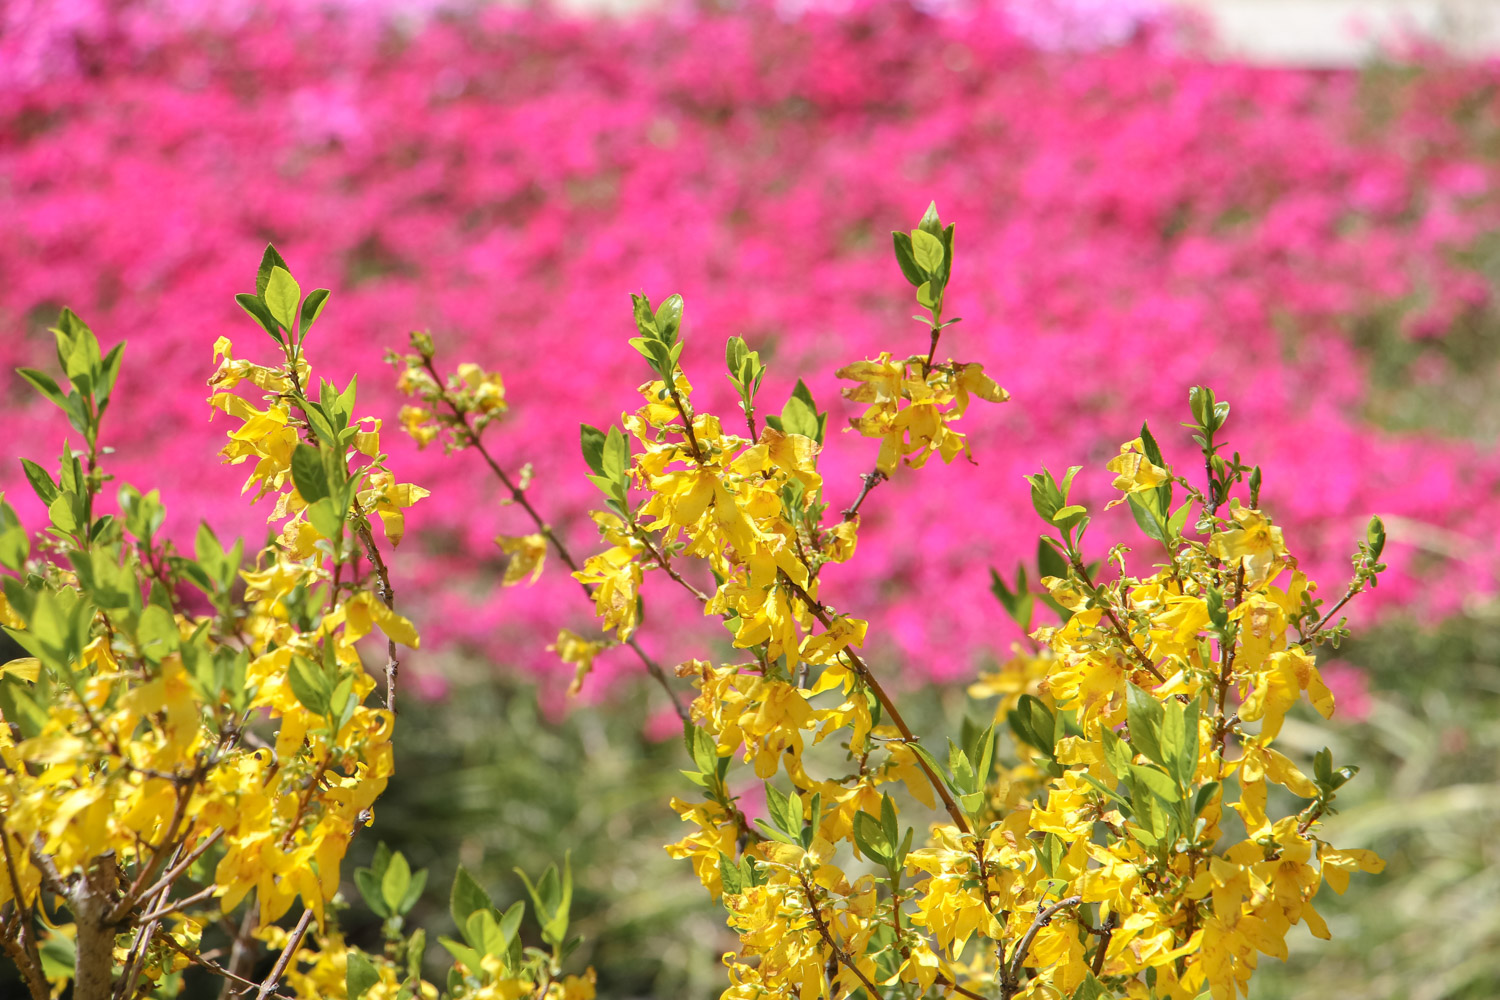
column 387, row 597
column 25, row 954
column 211, row 966
column 661, row 560
column 518, row 496
column 270, row 983
column 1349, row 595
column 1120, row 630
column 863, row 669
column 175, row 872
column 1010, row 975
column 1105, row 934
column 687, row 421
column 871, row 480
column 202, row 895
column 839, row 954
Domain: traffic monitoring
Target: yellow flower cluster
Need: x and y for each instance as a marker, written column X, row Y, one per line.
column 471, row 395
column 156, row 738
column 1128, row 852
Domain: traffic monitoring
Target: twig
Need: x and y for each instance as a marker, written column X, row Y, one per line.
column 211, row 966
column 269, row 984
column 1349, row 595
column 863, row 669
column 518, row 496
column 1010, row 975
column 202, row 895
column 871, row 480
column 1105, row 933
column 176, row 870
column 839, row 954
column 661, row 560
column 687, row 420
column 387, row 597
column 25, row 943
column 1120, row 630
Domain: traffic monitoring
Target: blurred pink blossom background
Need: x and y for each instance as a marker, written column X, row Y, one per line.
column 1132, row 219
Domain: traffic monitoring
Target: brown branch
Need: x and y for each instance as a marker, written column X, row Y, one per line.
column 839, row 954
column 871, row 480
column 1348, row 596
column 387, row 597
column 1226, row 668
column 175, row 872
column 518, row 496
column 1105, row 934
column 211, row 966
column 661, row 560
column 270, row 983
column 23, row 950
column 1010, row 975
column 1121, row 631
column 202, row 895
column 687, row 421
column 863, row 669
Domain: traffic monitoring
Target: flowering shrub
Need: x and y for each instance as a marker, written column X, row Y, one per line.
column 504, row 175
column 1101, row 861
column 188, row 741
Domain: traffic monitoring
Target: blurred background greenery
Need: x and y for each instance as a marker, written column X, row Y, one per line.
column 487, row 779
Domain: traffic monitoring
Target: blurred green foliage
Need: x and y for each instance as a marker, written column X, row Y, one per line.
column 1428, row 800
column 487, row 779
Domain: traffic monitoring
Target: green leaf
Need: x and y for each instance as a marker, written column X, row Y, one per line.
column 1151, row 448
column 930, row 223
column 258, row 312
column 327, row 518
column 1090, row 989
column 785, row 810
column 906, row 258
column 41, row 483
column 44, row 385
column 1204, row 797
column 483, row 932
column 1069, row 513
column 925, row 755
column 467, row 897
column 645, row 319
column 470, row 958
column 268, row 260
column 282, row 297
column 800, row 415
column 730, row 875
column 1159, row 784
column 308, row 473
column 669, row 317
column 615, row 460
column 870, row 838
column 156, row 635
column 1143, row 508
column 927, row 251
column 312, row 308
column 58, row 955
column 591, row 440
column 359, row 975
column 109, row 370
column 60, row 511
column 309, row 684
column 1144, row 715
column 395, row 882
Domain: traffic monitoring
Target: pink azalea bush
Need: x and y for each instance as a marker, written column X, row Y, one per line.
column 1132, row 219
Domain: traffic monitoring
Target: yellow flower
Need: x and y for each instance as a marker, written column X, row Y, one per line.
column 527, row 554
column 1134, row 473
